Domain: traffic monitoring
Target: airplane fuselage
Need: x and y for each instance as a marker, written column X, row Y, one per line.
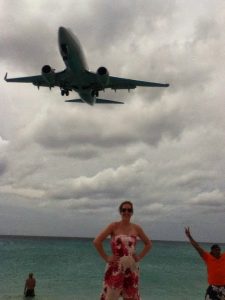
column 71, row 51
column 74, row 59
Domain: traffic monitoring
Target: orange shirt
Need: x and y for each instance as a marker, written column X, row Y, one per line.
column 215, row 268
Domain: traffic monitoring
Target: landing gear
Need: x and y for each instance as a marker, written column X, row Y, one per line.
column 64, row 92
column 94, row 93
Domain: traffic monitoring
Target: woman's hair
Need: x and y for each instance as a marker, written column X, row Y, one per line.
column 125, row 202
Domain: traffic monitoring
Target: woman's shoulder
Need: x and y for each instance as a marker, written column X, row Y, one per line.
column 113, row 225
column 136, row 227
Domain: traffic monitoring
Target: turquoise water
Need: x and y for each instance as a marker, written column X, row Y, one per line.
column 70, row 269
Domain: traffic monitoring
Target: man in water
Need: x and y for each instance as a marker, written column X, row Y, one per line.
column 215, row 262
column 29, row 286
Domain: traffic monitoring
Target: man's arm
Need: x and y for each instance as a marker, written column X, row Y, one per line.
column 25, row 287
column 197, row 247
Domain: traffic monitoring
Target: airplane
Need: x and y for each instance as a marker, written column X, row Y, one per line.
column 77, row 77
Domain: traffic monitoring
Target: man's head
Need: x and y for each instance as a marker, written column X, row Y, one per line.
column 215, row 251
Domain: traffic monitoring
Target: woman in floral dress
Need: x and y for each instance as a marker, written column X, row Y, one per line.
column 121, row 277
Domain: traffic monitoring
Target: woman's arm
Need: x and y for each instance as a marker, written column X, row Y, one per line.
column 98, row 241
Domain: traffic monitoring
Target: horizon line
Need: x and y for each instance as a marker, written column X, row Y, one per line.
column 21, row 236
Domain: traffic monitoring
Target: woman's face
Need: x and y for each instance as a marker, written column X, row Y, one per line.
column 126, row 211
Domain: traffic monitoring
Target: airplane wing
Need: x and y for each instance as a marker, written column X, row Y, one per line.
column 29, row 79
column 58, row 79
column 123, row 83
column 64, row 79
column 36, row 80
column 116, row 83
column 98, row 101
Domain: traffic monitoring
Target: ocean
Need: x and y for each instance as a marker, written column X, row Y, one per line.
column 70, row 269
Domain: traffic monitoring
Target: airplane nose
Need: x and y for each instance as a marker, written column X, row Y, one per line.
column 61, row 30
column 62, row 33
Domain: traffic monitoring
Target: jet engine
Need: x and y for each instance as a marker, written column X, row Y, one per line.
column 103, row 76
column 49, row 75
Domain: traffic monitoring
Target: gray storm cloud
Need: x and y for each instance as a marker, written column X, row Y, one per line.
column 110, row 183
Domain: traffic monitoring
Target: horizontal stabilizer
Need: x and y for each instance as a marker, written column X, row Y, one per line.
column 98, row 101
column 75, row 100
column 104, row 101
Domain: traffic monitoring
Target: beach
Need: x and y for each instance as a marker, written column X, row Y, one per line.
column 70, row 269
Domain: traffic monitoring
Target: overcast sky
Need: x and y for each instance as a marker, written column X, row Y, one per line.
column 65, row 168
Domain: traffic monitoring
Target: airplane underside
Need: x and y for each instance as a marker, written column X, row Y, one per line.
column 76, row 77
column 90, row 97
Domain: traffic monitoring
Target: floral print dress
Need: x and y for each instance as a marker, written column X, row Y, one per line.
column 122, row 277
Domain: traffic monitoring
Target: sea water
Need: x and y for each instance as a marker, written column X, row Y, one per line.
column 71, row 269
